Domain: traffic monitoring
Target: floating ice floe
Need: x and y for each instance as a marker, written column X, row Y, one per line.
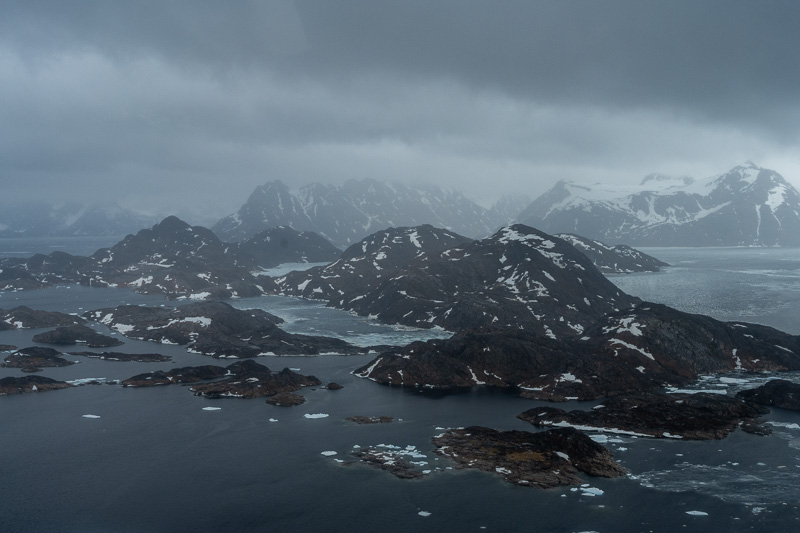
column 424, row 513
column 697, row 513
column 273, row 419
column 328, row 453
column 590, row 491
column 86, row 381
column 212, row 408
column 91, row 416
column 316, row 415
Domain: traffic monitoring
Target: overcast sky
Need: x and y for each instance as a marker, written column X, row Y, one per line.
column 178, row 105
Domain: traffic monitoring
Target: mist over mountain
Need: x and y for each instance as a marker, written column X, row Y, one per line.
column 70, row 220
column 747, row 206
column 345, row 214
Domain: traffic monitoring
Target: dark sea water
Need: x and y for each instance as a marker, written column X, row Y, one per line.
column 155, row 461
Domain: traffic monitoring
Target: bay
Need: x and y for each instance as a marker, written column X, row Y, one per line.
column 154, row 460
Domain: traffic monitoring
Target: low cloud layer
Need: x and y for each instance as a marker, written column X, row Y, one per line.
column 180, row 106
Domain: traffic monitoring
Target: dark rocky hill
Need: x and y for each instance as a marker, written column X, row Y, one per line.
column 175, row 259
column 518, row 278
column 636, row 350
column 363, row 265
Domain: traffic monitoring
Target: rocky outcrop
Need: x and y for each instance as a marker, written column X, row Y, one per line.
column 544, row 460
column 68, row 335
column 286, row 399
column 619, row 259
column 252, row 380
column 776, row 393
column 216, row 329
column 519, row 278
column 636, row 350
column 35, row 358
column 390, row 459
column 700, row 416
column 18, row 385
column 359, row 419
column 25, row 317
column 187, row 374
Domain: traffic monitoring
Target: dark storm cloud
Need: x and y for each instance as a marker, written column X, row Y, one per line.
column 726, row 60
column 166, row 102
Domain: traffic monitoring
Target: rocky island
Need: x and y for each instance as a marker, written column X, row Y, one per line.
column 77, row 334
column 699, row 416
column 544, row 460
column 35, row 358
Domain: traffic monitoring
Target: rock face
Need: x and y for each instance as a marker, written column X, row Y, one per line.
column 619, row 259
column 777, row 393
column 282, row 244
column 35, row 358
column 18, row 385
column 747, row 206
column 635, row 350
column 544, row 460
column 68, row 335
column 252, row 380
column 518, row 278
column 346, row 214
column 216, row 329
column 25, row 317
column 698, row 416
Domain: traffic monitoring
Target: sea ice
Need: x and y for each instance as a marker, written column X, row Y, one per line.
column 697, row 513
column 212, row 408
column 328, row 453
column 424, row 513
column 91, row 416
column 316, row 415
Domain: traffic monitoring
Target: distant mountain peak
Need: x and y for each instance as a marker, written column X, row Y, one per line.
column 746, row 206
column 346, row 213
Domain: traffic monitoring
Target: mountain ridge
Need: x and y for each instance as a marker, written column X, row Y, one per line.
column 746, row 206
column 345, row 214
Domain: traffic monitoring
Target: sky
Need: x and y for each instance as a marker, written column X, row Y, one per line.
column 187, row 106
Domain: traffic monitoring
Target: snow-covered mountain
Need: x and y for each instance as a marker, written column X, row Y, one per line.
column 345, row 214
column 747, row 206
column 69, row 220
